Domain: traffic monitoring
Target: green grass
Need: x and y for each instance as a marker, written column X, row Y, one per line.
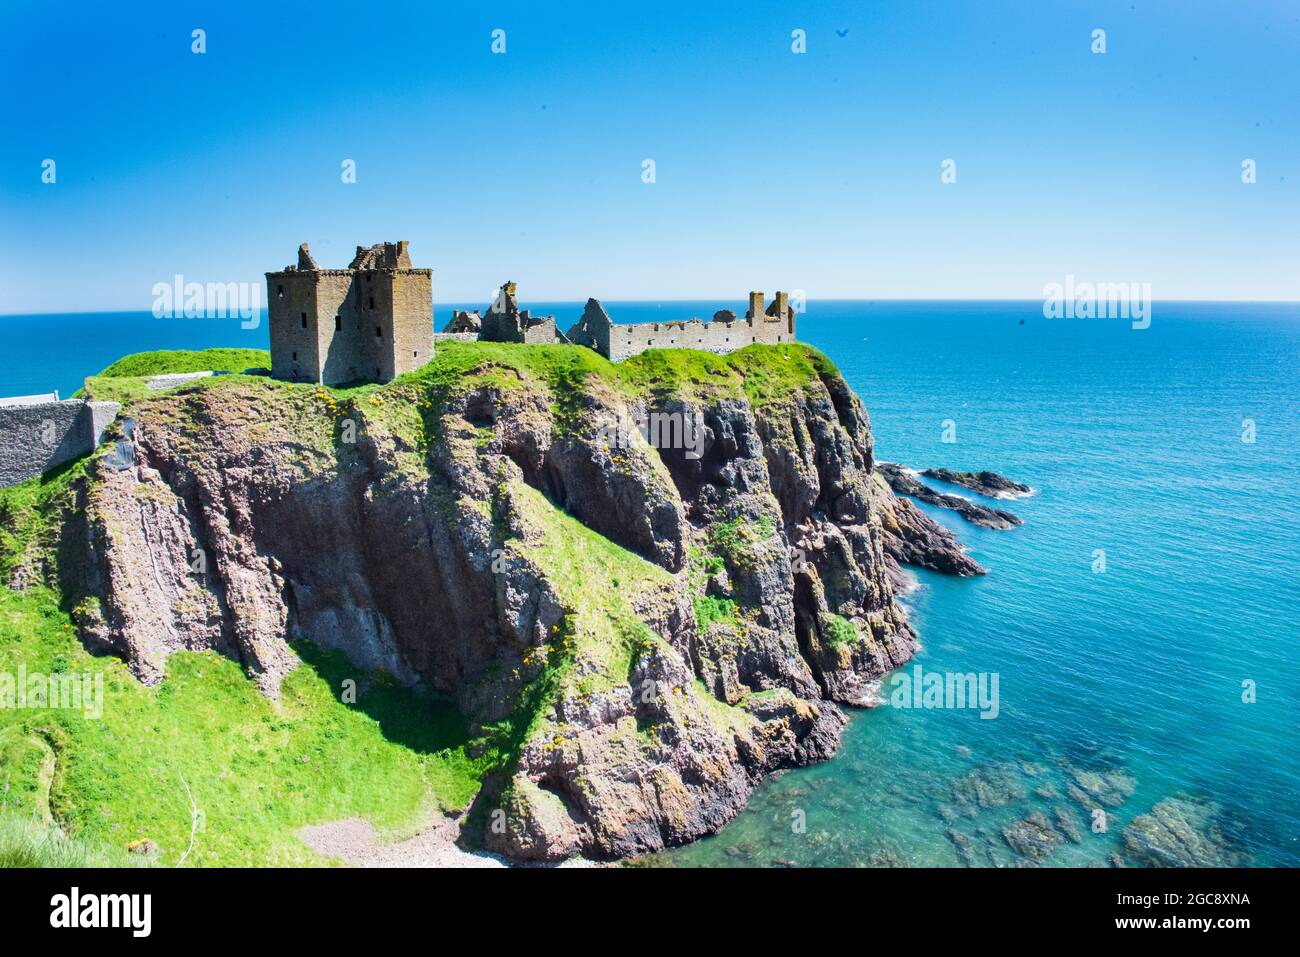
column 838, row 630
column 165, row 361
column 127, row 379
column 258, row 769
column 27, row 842
column 596, row 579
column 737, row 540
column 709, row 608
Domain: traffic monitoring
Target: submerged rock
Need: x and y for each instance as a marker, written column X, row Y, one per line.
column 1068, row 823
column 1094, row 789
column 1181, row 832
column 964, row 845
column 1033, row 836
column 989, row 786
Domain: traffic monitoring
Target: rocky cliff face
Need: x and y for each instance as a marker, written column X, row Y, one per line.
column 641, row 631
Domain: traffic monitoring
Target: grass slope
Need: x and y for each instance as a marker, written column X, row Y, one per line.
column 258, row 770
column 164, row 361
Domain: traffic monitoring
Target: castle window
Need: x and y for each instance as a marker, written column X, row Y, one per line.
column 372, row 302
column 338, row 323
column 295, row 357
column 279, row 291
column 304, row 320
column 379, row 333
column 415, row 354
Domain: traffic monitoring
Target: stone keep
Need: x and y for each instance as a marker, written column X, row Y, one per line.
column 369, row 322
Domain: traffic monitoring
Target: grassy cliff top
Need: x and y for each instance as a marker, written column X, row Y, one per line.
column 167, row 361
column 758, row 374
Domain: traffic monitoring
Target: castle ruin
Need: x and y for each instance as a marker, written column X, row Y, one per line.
column 374, row 320
column 369, row 322
column 504, row 321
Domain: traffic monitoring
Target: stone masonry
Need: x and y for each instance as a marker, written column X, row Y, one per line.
column 38, row 433
column 504, row 321
column 369, row 322
column 726, row 333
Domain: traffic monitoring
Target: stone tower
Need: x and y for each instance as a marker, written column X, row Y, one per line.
column 369, row 322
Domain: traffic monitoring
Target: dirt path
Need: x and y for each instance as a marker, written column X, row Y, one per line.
column 355, row 841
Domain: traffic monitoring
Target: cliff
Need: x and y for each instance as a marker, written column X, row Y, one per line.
column 638, row 634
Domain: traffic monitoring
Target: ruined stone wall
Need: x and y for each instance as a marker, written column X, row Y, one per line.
column 295, row 346
column 543, row 333
column 617, row 342
column 718, row 336
column 500, row 327
column 338, row 327
column 36, row 438
column 412, row 295
column 592, row 329
column 375, row 329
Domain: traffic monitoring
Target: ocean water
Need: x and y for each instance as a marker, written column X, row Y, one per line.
column 1133, row 440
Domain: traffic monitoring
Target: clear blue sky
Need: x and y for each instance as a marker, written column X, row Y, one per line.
column 774, row 170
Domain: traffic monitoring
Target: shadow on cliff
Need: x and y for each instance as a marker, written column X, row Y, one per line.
column 406, row 716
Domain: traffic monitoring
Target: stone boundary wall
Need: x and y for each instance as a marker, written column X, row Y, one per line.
column 37, row 437
column 719, row 336
column 619, row 341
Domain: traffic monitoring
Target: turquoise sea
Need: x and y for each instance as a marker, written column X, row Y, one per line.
column 1134, row 676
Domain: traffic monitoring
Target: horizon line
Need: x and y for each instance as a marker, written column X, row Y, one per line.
column 954, row 299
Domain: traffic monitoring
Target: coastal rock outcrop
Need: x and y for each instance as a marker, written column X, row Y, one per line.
column 986, row 483
column 640, row 631
column 903, row 482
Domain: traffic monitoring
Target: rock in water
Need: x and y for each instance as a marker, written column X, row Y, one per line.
column 988, row 484
column 1094, row 789
column 989, row 786
column 904, row 482
column 1068, row 823
column 1032, row 837
column 1181, row 832
column 661, row 628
